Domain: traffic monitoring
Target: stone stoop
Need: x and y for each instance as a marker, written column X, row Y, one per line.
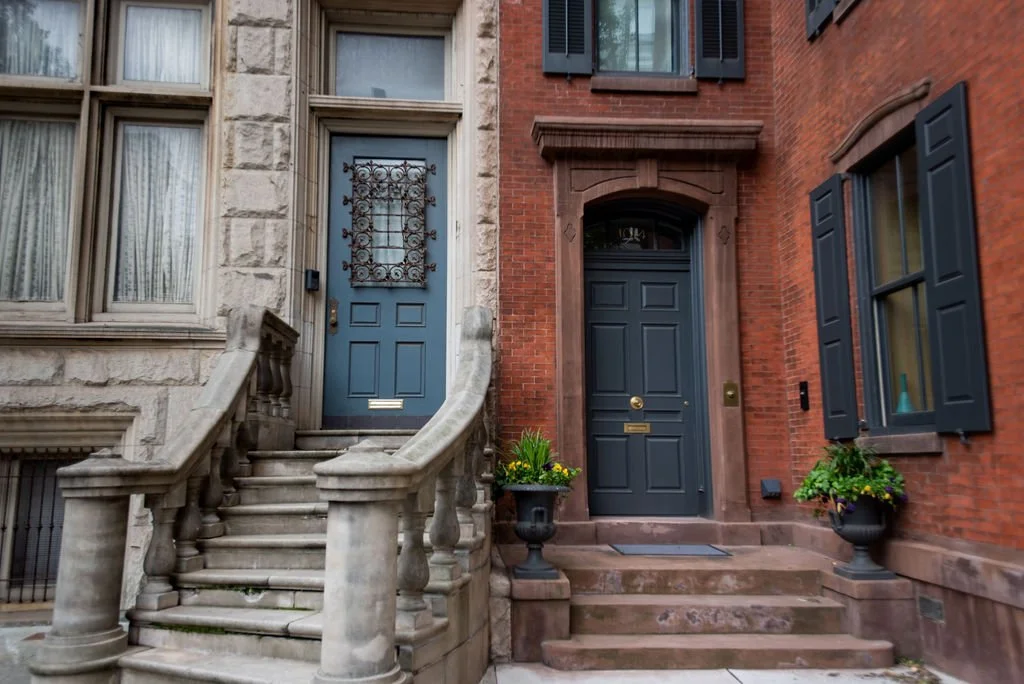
column 761, row 608
column 252, row 614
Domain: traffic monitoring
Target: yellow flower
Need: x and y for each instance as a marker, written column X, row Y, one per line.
column 867, row 489
column 887, row 497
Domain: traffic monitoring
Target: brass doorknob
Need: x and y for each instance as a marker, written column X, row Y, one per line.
column 636, row 402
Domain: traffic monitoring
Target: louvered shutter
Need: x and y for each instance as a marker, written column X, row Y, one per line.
column 719, row 29
column 955, row 325
column 818, row 14
column 568, row 37
column 832, row 294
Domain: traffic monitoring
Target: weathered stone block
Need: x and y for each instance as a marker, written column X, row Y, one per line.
column 243, row 243
column 282, row 147
column 282, row 51
column 252, row 145
column 486, row 286
column 256, row 194
column 258, row 96
column 487, row 153
column 260, row 12
column 30, row 367
column 277, row 237
column 254, row 49
column 486, row 200
column 487, row 107
column 269, row 287
column 486, row 239
column 486, row 60
column 132, row 367
column 486, row 18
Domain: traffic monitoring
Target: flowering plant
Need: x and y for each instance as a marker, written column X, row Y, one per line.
column 533, row 463
column 847, row 473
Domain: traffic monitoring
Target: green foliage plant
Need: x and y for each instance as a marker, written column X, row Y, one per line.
column 847, row 473
column 531, row 461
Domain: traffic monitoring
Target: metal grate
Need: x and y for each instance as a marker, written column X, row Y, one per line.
column 31, row 525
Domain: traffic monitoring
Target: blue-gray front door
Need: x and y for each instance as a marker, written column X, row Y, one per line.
column 643, row 446
column 384, row 358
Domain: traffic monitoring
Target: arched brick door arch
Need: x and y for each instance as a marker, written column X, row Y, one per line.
column 688, row 162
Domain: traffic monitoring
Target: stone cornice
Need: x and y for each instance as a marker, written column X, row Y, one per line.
column 561, row 136
column 895, row 102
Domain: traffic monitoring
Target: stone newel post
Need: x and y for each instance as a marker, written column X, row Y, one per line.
column 86, row 640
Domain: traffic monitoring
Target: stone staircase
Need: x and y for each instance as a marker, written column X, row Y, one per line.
column 252, row 613
column 761, row 608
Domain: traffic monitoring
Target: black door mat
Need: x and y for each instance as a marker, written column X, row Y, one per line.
column 669, row 550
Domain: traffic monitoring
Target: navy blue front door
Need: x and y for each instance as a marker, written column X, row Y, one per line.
column 643, row 448
column 384, row 358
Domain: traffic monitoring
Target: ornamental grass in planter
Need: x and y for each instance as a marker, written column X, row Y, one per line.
column 536, row 480
column 859, row 491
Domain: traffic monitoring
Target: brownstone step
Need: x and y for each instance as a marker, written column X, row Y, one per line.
column 723, row 579
column 712, row 614
column 714, row 651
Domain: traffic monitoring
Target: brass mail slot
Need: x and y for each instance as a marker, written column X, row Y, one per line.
column 636, row 428
column 386, row 404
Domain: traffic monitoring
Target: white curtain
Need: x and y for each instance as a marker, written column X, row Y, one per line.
column 158, row 213
column 163, row 44
column 36, row 165
column 39, row 37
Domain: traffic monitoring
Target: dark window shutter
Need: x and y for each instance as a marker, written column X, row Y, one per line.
column 568, row 37
column 832, row 292
column 719, row 29
column 818, row 14
column 955, row 326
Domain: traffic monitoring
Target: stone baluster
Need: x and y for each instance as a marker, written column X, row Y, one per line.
column 484, row 477
column 229, row 467
column 465, row 495
column 444, row 533
column 213, row 487
column 243, row 442
column 188, row 524
column 286, row 381
column 277, row 379
column 413, row 573
column 264, row 377
column 157, row 592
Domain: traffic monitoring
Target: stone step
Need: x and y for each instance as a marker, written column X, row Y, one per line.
column 172, row 666
column 297, row 589
column 342, row 439
column 242, row 631
column 695, row 614
column 725, row 579
column 275, row 518
column 295, row 462
column 265, row 551
column 714, row 651
column 277, row 489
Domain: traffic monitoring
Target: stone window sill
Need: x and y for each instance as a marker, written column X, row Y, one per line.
column 643, row 84
column 909, row 444
column 843, row 8
column 113, row 333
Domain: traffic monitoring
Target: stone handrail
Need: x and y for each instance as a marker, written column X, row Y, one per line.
column 245, row 402
column 374, row 597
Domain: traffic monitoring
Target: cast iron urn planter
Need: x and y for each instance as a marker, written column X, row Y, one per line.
column 535, row 524
column 863, row 526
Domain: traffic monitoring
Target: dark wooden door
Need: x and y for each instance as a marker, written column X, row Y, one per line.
column 640, row 377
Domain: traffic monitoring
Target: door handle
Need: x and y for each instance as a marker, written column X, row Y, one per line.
column 332, row 316
column 636, row 403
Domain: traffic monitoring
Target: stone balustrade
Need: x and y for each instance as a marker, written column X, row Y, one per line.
column 247, row 398
column 375, row 597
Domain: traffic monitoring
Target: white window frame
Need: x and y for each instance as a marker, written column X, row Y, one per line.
column 116, row 43
column 104, row 269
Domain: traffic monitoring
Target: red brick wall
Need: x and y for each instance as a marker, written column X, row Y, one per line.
column 974, row 492
column 527, row 282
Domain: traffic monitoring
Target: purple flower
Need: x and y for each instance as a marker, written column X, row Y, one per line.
column 850, row 508
column 841, row 500
column 888, row 489
column 549, row 465
column 903, row 497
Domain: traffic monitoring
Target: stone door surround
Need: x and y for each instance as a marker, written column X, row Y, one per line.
column 690, row 162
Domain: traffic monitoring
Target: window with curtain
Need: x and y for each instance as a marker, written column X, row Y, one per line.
column 36, row 166
column 158, row 209
column 403, row 67
column 163, row 44
column 897, row 282
column 40, row 38
column 642, row 36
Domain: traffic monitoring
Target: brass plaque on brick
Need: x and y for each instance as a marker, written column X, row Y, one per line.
column 636, row 428
column 386, row 404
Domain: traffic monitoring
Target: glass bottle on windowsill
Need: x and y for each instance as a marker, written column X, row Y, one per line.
column 903, row 404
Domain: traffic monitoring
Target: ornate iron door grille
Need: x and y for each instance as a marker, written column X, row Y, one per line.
column 389, row 234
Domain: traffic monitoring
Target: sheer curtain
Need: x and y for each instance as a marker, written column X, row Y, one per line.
column 36, row 165
column 158, row 213
column 163, row 44
column 39, row 37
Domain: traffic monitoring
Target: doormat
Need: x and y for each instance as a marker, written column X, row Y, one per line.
column 669, row 550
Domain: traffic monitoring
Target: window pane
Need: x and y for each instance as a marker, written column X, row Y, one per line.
column 632, row 234
column 885, row 223
column 904, row 331
column 396, row 67
column 39, row 38
column 911, row 213
column 635, row 35
column 36, row 164
column 163, row 44
column 158, row 213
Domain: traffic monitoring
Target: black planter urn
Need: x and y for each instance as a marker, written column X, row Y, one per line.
column 862, row 527
column 535, row 524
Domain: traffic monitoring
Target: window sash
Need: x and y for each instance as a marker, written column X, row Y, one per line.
column 679, row 36
column 399, row 31
column 72, row 71
column 119, row 45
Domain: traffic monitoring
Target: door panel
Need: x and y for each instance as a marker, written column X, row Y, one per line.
column 386, row 279
column 639, row 343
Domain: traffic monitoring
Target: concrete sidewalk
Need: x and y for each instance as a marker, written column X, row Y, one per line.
column 539, row 674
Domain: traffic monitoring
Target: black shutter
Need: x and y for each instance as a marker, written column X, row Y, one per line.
column 955, row 327
column 832, row 292
column 818, row 14
column 568, row 37
column 719, row 29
